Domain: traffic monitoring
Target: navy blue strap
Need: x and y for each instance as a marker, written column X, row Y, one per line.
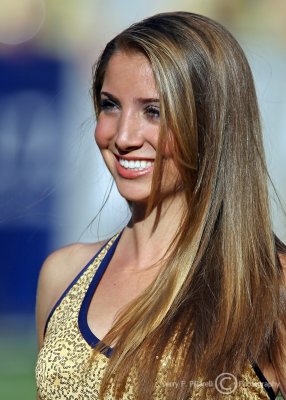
column 264, row 381
column 87, row 334
column 72, row 284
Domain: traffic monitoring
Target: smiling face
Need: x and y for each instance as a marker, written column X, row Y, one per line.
column 128, row 124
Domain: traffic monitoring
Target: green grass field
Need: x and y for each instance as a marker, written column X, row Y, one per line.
column 17, row 358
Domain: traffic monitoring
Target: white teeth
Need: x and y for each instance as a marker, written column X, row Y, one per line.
column 137, row 165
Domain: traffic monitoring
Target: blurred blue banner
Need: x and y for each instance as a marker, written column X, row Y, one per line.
column 29, row 153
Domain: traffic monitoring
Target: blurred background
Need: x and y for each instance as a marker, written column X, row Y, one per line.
column 52, row 180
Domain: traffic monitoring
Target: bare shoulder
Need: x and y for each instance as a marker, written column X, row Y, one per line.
column 57, row 272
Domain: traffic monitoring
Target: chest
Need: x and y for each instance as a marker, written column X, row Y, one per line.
column 117, row 288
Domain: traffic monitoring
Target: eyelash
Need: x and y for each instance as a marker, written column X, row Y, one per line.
column 153, row 112
column 108, row 105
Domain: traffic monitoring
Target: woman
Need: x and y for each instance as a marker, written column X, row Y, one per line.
column 189, row 300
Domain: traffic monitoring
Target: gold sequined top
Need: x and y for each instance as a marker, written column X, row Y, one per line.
column 63, row 370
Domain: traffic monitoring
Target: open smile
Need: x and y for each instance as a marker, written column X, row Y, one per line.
column 133, row 167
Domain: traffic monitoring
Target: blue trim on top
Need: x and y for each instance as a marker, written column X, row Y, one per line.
column 266, row 385
column 84, row 328
column 71, row 285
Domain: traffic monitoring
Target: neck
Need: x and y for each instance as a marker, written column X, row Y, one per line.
column 146, row 245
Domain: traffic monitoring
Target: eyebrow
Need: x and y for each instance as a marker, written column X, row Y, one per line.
column 142, row 100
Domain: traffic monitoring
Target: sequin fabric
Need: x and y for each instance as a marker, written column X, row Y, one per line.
column 63, row 369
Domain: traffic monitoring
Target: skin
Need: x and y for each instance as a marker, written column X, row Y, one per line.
column 128, row 126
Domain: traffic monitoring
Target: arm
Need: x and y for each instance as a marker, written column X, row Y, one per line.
column 51, row 282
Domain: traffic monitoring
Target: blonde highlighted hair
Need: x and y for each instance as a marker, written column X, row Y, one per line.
column 220, row 295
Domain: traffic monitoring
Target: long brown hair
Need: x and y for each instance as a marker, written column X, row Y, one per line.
column 220, row 297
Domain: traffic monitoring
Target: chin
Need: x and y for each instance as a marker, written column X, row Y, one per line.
column 133, row 190
column 134, row 196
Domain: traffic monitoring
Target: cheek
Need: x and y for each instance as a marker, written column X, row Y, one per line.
column 102, row 134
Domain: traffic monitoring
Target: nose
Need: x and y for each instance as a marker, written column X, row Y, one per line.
column 129, row 132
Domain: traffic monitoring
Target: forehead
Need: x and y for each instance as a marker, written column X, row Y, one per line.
column 130, row 70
